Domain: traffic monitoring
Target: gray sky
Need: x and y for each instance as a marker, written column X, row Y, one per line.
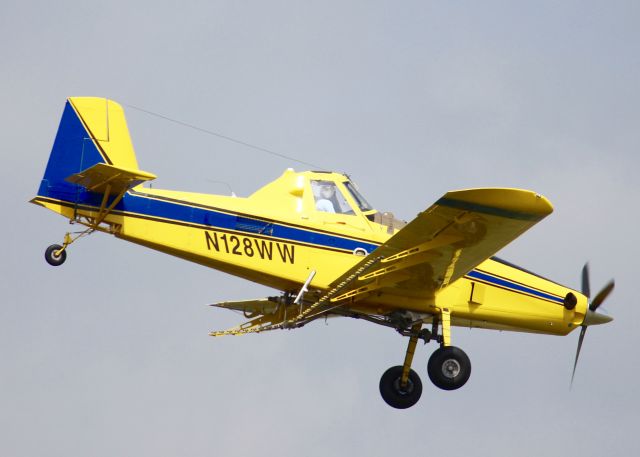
column 108, row 355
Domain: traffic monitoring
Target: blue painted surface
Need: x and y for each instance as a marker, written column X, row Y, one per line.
column 218, row 220
column 475, row 274
column 493, row 211
column 72, row 152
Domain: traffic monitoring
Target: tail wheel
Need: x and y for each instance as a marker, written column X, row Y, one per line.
column 54, row 255
column 396, row 395
column 449, row 368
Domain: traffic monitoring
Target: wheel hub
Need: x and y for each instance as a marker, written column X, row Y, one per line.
column 451, row 368
column 403, row 390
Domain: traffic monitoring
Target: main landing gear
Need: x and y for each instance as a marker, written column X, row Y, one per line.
column 449, row 367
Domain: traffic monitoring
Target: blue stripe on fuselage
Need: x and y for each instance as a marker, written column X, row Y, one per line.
column 142, row 205
column 216, row 219
column 475, row 274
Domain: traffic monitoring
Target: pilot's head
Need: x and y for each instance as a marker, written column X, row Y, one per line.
column 327, row 191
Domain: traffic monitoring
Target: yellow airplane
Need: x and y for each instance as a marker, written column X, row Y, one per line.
column 313, row 236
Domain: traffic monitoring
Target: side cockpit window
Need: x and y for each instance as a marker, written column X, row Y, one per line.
column 357, row 196
column 328, row 198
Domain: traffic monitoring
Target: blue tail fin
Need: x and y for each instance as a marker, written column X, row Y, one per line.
column 92, row 130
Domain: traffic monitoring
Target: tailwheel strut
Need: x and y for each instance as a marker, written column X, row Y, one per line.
column 56, row 254
column 400, row 386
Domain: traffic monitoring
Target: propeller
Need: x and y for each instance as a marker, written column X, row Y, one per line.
column 591, row 316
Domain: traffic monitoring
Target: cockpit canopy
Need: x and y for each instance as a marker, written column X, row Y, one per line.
column 328, row 197
column 320, row 196
column 325, row 192
column 336, row 193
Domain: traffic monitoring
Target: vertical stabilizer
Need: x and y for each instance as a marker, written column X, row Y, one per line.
column 92, row 130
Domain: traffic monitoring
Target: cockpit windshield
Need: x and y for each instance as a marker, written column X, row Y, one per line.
column 360, row 200
column 328, row 198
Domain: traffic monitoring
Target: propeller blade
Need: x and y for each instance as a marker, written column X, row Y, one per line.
column 586, row 287
column 602, row 295
column 591, row 317
column 575, row 364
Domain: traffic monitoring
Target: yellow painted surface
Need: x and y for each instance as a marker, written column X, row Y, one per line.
column 507, row 309
column 518, row 200
column 285, row 265
column 102, row 178
column 105, row 121
column 424, row 268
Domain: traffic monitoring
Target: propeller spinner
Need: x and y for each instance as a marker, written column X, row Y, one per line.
column 591, row 317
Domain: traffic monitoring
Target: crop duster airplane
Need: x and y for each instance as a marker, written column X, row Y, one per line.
column 312, row 236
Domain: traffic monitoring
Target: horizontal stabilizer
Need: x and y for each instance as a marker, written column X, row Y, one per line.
column 102, row 178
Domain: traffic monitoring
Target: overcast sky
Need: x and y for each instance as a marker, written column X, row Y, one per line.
column 108, row 355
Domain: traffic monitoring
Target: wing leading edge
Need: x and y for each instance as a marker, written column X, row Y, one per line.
column 443, row 243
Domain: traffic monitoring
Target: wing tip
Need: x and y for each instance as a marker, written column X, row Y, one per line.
column 506, row 202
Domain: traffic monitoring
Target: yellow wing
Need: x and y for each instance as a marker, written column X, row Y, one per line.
column 442, row 244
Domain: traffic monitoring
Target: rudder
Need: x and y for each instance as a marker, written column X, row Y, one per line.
column 92, row 130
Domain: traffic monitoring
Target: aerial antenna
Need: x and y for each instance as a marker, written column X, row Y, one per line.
column 224, row 137
column 233, row 194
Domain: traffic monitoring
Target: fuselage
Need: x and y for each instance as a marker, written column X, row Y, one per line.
column 282, row 232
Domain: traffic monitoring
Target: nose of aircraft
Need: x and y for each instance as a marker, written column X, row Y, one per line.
column 595, row 318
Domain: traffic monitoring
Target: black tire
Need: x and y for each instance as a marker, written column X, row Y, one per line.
column 51, row 257
column 449, row 368
column 395, row 395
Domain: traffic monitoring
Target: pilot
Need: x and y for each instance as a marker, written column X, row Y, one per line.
column 323, row 201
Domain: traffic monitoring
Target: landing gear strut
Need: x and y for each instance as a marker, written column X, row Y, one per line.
column 449, row 367
column 55, row 254
column 400, row 386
